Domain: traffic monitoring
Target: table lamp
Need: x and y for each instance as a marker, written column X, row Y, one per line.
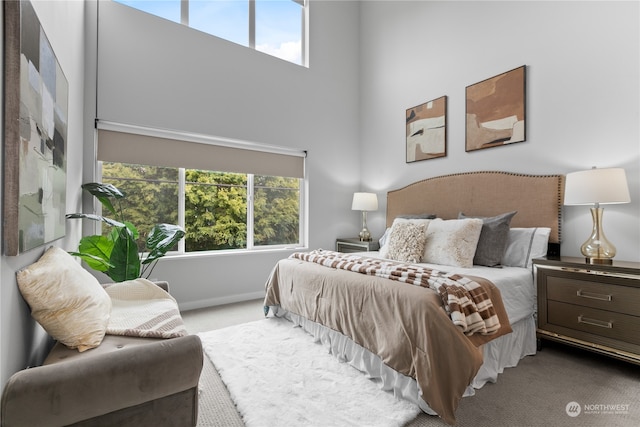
column 364, row 202
column 597, row 187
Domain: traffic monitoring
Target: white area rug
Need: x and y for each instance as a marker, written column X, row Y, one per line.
column 278, row 376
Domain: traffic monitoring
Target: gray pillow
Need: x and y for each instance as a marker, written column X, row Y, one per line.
column 493, row 239
column 418, row 216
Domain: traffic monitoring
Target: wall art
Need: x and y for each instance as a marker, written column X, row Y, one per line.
column 35, row 117
column 427, row 130
column 496, row 110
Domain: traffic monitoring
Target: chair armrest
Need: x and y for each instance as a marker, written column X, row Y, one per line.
column 82, row 387
column 163, row 284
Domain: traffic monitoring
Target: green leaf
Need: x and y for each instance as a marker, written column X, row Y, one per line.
column 95, row 251
column 132, row 228
column 161, row 239
column 109, row 221
column 124, row 257
column 104, row 193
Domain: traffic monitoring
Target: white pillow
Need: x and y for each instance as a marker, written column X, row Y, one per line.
column 385, row 237
column 406, row 241
column 66, row 299
column 384, row 240
column 452, row 242
column 525, row 244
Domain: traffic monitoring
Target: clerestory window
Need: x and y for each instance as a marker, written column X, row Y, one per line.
column 275, row 27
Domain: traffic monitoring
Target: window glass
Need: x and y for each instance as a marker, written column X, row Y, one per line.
column 279, row 29
column 151, row 196
column 227, row 19
column 215, row 210
column 215, row 207
column 167, row 9
column 276, row 210
column 278, row 26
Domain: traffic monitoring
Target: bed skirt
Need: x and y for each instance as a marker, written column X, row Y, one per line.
column 503, row 352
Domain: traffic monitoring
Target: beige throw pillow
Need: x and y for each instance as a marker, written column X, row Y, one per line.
column 406, row 241
column 66, row 300
column 452, row 242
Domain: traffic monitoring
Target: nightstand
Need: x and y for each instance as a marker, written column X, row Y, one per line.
column 594, row 307
column 356, row 245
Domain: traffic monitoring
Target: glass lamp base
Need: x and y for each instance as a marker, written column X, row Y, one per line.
column 365, row 235
column 597, row 249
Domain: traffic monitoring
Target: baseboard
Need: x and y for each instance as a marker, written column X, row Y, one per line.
column 212, row 302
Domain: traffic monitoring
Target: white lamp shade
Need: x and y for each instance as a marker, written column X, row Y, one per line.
column 364, row 202
column 604, row 186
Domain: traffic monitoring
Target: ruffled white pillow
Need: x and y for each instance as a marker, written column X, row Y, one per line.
column 406, row 241
column 384, row 240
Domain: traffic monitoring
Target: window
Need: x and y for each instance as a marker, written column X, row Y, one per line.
column 215, row 210
column 275, row 27
column 226, row 194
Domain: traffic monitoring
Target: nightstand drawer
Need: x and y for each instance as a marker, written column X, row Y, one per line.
column 623, row 299
column 599, row 322
column 356, row 245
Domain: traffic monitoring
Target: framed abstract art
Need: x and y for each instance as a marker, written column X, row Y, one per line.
column 495, row 110
column 35, row 118
column 426, row 127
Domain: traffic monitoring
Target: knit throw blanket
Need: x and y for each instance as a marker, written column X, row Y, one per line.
column 464, row 299
column 139, row 308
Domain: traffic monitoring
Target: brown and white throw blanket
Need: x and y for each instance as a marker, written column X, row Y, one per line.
column 140, row 308
column 466, row 302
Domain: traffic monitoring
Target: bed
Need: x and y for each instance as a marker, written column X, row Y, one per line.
column 449, row 300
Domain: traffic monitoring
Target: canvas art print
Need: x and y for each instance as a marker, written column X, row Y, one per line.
column 496, row 111
column 426, row 130
column 36, row 98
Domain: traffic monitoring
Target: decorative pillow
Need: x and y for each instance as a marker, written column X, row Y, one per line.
column 525, row 244
column 66, row 299
column 493, row 238
column 384, row 240
column 385, row 236
column 452, row 242
column 406, row 241
column 418, row 216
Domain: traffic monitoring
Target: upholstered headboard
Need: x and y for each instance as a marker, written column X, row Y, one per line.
column 537, row 198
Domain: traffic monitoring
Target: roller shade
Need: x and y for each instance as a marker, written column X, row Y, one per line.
column 184, row 151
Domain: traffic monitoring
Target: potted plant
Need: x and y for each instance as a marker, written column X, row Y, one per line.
column 116, row 254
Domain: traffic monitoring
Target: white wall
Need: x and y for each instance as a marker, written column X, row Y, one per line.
column 156, row 73
column 582, row 94
column 21, row 339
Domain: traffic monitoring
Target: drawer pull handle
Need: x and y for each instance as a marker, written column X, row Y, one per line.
column 594, row 322
column 591, row 295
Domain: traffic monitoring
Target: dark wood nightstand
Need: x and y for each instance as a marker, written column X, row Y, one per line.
column 594, row 307
column 356, row 245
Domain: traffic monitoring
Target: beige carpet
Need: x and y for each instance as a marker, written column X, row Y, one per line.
column 535, row 393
